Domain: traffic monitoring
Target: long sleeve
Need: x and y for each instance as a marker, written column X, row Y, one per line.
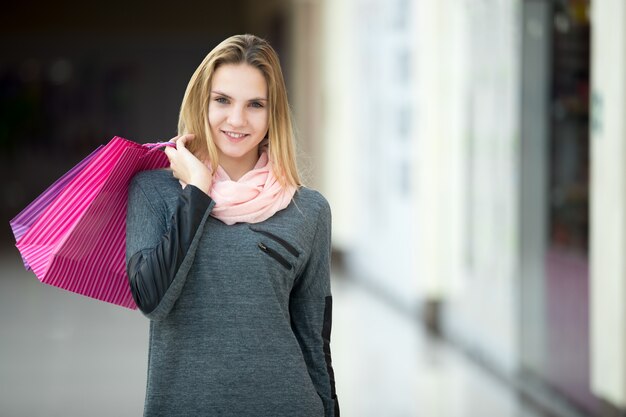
column 159, row 255
column 310, row 307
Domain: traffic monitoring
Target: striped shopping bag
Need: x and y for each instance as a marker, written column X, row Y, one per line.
column 77, row 240
column 22, row 222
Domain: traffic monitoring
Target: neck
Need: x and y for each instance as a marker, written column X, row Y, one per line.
column 238, row 167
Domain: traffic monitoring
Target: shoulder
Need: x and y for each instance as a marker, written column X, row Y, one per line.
column 154, row 177
column 312, row 199
column 153, row 183
column 316, row 227
column 158, row 188
column 314, row 207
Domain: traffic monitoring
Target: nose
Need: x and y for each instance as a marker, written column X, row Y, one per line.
column 237, row 117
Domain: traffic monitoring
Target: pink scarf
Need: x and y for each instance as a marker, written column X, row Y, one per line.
column 253, row 198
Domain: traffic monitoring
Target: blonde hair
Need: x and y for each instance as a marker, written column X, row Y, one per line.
column 258, row 53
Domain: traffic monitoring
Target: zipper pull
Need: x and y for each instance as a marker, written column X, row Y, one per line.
column 263, row 247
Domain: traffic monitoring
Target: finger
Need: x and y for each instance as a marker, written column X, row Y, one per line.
column 182, row 145
column 174, row 139
column 185, row 138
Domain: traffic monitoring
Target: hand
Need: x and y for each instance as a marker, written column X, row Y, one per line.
column 186, row 167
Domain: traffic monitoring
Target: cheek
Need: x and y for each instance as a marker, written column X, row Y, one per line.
column 261, row 121
column 215, row 116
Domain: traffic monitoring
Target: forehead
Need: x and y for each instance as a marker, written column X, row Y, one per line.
column 239, row 81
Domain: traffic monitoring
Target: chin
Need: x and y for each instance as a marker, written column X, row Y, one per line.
column 236, row 154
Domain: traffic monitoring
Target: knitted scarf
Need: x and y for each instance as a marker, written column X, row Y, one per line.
column 255, row 197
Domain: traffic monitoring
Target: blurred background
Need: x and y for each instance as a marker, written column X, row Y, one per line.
column 473, row 153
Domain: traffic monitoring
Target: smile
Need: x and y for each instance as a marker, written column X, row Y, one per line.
column 234, row 135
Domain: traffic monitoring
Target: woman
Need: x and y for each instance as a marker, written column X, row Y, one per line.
column 228, row 254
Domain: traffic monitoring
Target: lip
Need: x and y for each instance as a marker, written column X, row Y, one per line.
column 232, row 138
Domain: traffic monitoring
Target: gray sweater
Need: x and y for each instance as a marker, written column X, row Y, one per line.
column 242, row 326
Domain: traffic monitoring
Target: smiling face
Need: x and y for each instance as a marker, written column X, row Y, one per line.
column 238, row 116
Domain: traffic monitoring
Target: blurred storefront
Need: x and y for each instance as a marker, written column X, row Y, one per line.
column 571, row 274
column 555, row 154
column 475, row 153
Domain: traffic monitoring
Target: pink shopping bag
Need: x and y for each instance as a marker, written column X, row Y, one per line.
column 22, row 222
column 78, row 242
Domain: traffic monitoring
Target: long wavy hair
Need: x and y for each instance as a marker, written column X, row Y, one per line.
column 257, row 52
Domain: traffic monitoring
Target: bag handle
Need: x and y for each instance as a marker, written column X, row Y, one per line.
column 158, row 145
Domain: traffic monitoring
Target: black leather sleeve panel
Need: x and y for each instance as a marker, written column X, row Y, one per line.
column 328, row 313
column 152, row 271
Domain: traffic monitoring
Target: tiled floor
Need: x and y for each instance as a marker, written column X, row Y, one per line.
column 66, row 355
column 386, row 365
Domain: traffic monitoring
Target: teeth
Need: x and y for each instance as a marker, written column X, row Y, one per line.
column 235, row 135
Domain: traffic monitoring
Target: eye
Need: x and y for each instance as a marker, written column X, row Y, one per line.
column 222, row 100
column 256, row 105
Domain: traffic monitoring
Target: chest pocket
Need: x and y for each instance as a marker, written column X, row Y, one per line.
column 281, row 260
column 277, row 248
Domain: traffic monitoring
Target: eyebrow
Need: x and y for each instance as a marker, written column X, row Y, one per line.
column 227, row 96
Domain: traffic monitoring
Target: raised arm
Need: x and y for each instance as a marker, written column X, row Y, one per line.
column 158, row 256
